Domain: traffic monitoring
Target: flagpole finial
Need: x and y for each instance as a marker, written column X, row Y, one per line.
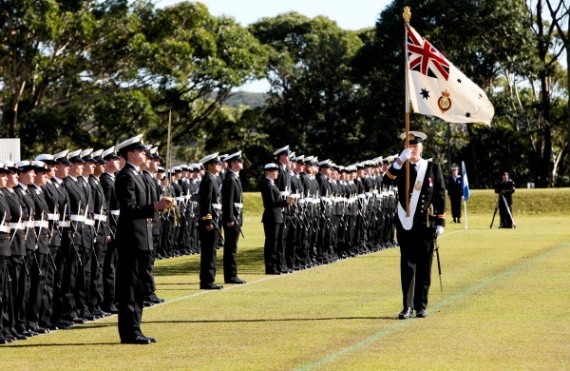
column 407, row 14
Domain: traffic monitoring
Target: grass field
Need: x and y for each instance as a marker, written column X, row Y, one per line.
column 505, row 305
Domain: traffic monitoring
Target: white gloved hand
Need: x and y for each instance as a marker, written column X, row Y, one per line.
column 438, row 231
column 405, row 155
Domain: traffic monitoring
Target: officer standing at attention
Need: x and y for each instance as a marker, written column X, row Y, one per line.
column 272, row 218
column 455, row 192
column 210, row 208
column 134, row 241
column 232, row 215
column 417, row 232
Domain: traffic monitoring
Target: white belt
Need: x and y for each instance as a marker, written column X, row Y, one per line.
column 238, row 205
column 217, row 206
column 17, row 225
column 41, row 224
column 77, row 218
column 29, row 224
column 89, row 222
column 100, row 217
column 4, row 228
column 295, row 195
column 52, row 216
column 361, row 195
column 179, row 199
column 285, row 193
column 115, row 212
column 64, row 224
column 187, row 197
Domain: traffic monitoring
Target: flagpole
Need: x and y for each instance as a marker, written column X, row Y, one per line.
column 407, row 15
column 465, row 208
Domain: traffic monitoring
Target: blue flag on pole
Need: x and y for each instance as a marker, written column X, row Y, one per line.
column 465, row 182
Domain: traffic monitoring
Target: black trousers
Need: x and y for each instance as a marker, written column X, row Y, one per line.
column 209, row 241
column 231, row 237
column 133, row 284
column 37, row 266
column 416, row 248
column 272, row 264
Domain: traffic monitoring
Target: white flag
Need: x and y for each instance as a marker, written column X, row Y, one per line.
column 438, row 88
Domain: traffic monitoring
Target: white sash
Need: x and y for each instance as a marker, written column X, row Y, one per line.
column 408, row 221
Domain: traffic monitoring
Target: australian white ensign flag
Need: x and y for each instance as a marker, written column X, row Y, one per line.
column 438, row 88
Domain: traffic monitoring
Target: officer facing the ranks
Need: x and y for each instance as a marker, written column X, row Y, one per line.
column 417, row 232
column 134, row 240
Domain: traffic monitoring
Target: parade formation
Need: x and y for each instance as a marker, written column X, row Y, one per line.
column 80, row 230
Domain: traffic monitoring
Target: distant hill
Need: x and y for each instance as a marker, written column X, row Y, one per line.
column 244, row 98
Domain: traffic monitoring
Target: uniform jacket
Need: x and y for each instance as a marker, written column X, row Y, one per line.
column 134, row 231
column 272, row 203
column 231, row 194
column 209, row 199
column 432, row 192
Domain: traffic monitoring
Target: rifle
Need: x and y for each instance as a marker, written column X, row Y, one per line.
column 73, row 234
column 237, row 225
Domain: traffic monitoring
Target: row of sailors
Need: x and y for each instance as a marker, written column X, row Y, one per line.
column 58, row 220
column 58, row 217
column 338, row 211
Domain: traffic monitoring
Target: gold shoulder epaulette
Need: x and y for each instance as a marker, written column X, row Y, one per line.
column 207, row 217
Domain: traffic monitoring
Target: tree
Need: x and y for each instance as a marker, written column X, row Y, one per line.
column 312, row 98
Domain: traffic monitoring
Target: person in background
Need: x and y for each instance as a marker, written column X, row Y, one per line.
column 455, row 193
column 505, row 188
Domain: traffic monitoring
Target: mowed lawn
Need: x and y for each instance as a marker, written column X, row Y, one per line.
column 505, row 304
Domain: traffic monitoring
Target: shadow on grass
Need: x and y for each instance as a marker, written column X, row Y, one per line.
column 111, row 343
column 249, row 261
column 262, row 320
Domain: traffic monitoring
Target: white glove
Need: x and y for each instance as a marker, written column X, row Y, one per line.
column 438, row 231
column 405, row 155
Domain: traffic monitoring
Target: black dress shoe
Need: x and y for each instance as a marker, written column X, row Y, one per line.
column 236, row 280
column 210, row 286
column 421, row 313
column 151, row 339
column 405, row 313
column 39, row 330
column 138, row 340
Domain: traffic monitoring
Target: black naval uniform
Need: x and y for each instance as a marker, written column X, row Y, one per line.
column 232, row 206
column 417, row 243
column 110, row 262
column 134, row 246
column 272, row 222
column 455, row 192
column 210, row 208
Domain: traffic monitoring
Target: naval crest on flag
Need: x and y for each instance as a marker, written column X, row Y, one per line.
column 431, row 75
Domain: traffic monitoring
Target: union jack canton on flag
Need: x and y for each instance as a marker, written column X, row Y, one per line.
column 438, row 88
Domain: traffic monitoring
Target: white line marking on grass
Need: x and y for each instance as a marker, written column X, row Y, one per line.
column 401, row 323
column 268, row 278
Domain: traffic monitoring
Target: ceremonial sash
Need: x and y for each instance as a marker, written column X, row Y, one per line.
column 408, row 221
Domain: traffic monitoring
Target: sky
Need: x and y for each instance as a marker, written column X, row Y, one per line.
column 348, row 14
